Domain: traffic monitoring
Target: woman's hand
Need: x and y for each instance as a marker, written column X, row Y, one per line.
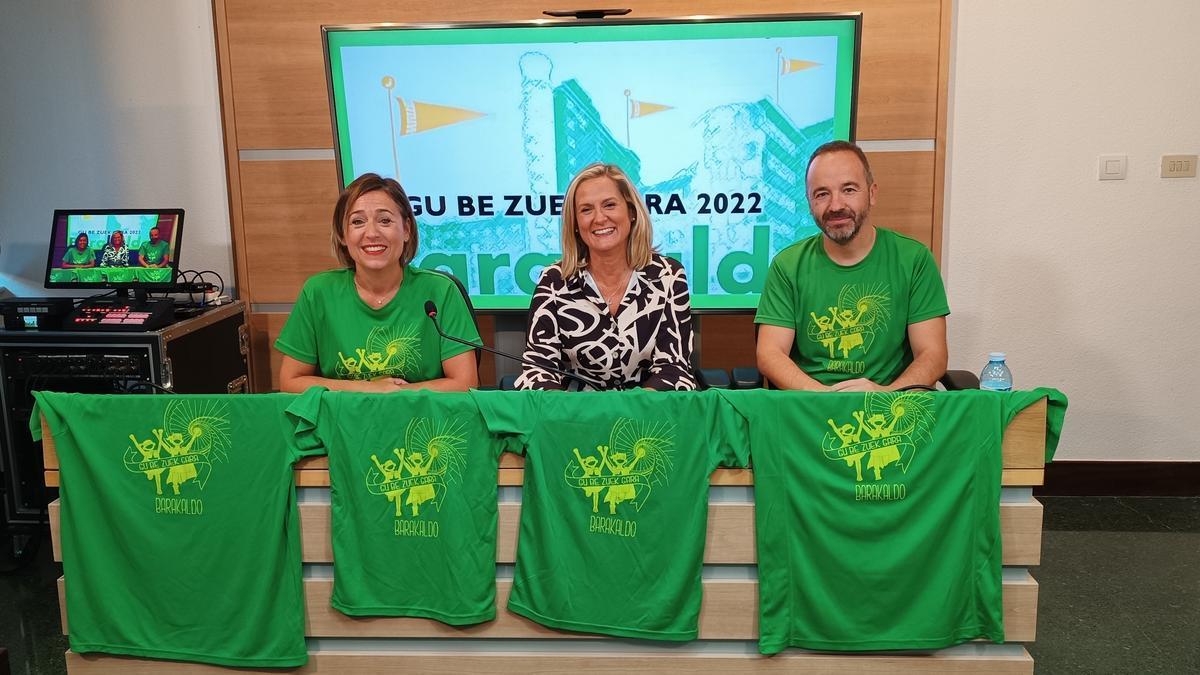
column 296, row 377
column 387, row 385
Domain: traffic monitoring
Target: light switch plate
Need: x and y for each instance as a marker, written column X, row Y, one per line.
column 1178, row 166
column 1112, row 167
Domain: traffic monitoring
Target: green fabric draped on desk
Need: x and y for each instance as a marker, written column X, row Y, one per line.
column 877, row 514
column 180, row 531
column 413, row 498
column 614, row 507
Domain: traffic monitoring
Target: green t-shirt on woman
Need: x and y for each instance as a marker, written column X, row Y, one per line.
column 332, row 328
column 852, row 321
column 74, row 256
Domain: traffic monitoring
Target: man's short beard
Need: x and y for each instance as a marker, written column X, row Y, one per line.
column 843, row 237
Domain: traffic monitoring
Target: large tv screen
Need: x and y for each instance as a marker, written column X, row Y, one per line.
column 713, row 118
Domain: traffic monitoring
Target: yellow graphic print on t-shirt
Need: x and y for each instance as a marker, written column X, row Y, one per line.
column 887, row 431
column 389, row 352
column 193, row 436
column 431, row 461
column 637, row 457
column 847, row 330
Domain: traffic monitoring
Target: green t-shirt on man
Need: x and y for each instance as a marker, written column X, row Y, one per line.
column 331, row 327
column 852, row 321
column 614, row 506
column 153, row 253
column 412, row 479
column 180, row 530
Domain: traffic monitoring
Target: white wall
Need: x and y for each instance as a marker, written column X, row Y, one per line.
column 109, row 104
column 1092, row 287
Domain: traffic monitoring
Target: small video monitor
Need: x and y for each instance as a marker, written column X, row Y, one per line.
column 114, row 248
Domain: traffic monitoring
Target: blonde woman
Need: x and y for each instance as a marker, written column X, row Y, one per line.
column 612, row 310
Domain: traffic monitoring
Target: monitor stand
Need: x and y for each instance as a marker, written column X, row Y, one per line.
column 128, row 310
column 135, row 297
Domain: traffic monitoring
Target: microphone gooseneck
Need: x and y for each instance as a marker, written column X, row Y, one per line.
column 431, row 312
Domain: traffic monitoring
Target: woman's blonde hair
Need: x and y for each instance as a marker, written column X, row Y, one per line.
column 370, row 182
column 640, row 244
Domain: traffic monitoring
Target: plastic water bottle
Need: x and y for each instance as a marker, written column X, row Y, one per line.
column 996, row 376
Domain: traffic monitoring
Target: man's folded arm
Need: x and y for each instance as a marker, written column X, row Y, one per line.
column 774, row 343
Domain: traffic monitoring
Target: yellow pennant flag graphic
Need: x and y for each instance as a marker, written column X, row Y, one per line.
column 418, row 116
column 643, row 108
column 787, row 66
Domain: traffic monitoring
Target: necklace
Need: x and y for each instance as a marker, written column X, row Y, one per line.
column 611, row 299
column 614, row 298
column 374, row 299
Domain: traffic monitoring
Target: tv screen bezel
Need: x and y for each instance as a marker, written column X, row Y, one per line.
column 177, row 235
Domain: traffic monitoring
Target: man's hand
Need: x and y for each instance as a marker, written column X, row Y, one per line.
column 857, row 384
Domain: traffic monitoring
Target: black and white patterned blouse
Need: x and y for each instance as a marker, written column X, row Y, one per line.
column 647, row 344
column 114, row 257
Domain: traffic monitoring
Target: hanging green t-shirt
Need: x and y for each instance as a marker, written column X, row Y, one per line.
column 74, row 256
column 877, row 516
column 614, row 507
column 153, row 253
column 413, row 488
column 852, row 321
column 180, row 532
column 332, row 328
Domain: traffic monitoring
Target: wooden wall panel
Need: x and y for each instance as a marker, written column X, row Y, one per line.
column 726, row 340
column 280, row 91
column 939, row 161
column 905, row 197
column 264, row 328
column 287, row 209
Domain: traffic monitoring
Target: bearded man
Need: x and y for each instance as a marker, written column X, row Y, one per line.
column 873, row 293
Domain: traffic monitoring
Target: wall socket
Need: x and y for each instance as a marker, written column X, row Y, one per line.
column 1179, row 166
column 1112, row 167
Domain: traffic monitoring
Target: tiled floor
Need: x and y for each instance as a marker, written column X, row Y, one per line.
column 29, row 618
column 1119, row 592
column 1119, row 586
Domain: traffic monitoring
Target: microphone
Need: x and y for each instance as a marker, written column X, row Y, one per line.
column 431, row 312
